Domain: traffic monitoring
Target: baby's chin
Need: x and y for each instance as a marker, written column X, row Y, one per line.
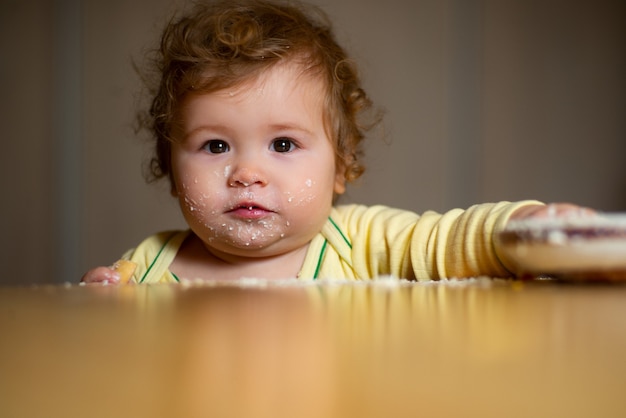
column 246, row 241
column 256, row 246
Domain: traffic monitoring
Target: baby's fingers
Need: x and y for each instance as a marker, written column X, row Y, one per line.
column 119, row 273
column 101, row 275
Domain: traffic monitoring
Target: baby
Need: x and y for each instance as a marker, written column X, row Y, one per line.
column 258, row 122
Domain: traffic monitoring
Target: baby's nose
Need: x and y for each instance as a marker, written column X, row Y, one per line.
column 246, row 176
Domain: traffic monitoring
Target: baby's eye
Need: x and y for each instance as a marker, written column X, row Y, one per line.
column 216, row 146
column 283, row 145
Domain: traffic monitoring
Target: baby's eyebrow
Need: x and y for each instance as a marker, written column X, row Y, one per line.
column 213, row 129
column 229, row 132
column 290, row 127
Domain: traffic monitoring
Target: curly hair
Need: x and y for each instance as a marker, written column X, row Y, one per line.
column 220, row 44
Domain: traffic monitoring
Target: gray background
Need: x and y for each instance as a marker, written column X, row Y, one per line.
column 485, row 101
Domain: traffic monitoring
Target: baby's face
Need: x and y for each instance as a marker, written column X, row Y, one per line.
column 253, row 169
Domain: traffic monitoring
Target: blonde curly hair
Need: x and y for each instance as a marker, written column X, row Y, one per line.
column 220, row 44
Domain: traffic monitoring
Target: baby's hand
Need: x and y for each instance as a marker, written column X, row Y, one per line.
column 101, row 275
column 119, row 273
column 552, row 210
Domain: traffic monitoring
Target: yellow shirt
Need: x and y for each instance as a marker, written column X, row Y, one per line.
column 364, row 242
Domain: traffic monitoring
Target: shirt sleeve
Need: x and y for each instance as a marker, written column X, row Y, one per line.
column 455, row 244
column 462, row 243
column 154, row 256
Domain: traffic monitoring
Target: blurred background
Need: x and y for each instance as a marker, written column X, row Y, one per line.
column 485, row 100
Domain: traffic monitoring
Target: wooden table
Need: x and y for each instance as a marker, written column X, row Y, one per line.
column 479, row 348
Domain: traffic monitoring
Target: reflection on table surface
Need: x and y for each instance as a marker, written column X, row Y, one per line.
column 477, row 348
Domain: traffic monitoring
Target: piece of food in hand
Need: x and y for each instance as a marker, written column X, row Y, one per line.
column 125, row 269
column 571, row 247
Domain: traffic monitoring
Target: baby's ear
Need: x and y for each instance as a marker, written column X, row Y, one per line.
column 173, row 189
column 340, row 183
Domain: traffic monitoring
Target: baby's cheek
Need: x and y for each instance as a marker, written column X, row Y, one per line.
column 198, row 196
column 303, row 195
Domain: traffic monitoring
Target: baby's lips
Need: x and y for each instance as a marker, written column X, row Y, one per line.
column 249, row 206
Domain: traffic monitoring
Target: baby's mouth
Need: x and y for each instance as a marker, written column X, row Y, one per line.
column 249, row 210
column 248, row 206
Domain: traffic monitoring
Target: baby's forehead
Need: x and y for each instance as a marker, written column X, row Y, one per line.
column 287, row 77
